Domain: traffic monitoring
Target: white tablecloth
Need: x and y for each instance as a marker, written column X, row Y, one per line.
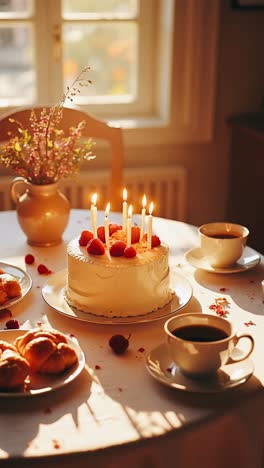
column 114, row 412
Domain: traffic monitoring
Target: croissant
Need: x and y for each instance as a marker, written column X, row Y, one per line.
column 46, row 351
column 11, row 285
column 3, row 294
column 14, row 368
column 5, row 345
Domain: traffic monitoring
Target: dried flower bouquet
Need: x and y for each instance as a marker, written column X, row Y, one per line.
column 42, row 153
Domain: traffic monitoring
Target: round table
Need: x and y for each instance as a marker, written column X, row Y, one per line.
column 114, row 411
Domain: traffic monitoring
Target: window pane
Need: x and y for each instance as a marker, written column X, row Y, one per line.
column 17, row 75
column 110, row 49
column 8, row 6
column 99, row 6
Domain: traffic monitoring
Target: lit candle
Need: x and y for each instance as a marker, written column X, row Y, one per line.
column 124, row 210
column 149, row 238
column 143, row 214
column 106, row 226
column 129, row 224
column 94, row 214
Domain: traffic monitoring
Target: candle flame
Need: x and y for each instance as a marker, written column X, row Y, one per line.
column 107, row 209
column 125, row 194
column 94, row 198
column 144, row 201
column 151, row 207
column 130, row 211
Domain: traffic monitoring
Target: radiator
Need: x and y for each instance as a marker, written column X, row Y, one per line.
column 164, row 185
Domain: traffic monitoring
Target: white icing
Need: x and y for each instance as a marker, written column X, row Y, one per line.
column 118, row 286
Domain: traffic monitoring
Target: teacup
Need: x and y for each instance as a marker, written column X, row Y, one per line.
column 200, row 344
column 222, row 243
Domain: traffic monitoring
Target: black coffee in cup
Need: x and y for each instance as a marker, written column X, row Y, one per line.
column 200, row 333
column 224, row 235
column 222, row 244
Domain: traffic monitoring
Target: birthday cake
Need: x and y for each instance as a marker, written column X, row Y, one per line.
column 117, row 280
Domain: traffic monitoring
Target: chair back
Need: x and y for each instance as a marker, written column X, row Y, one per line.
column 94, row 128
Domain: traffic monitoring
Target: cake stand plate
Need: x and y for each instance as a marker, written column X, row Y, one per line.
column 53, row 293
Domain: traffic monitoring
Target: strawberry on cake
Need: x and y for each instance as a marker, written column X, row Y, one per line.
column 119, row 281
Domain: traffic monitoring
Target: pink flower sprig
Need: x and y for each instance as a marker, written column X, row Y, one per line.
column 43, row 154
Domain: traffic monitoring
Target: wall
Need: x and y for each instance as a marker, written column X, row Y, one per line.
column 240, row 88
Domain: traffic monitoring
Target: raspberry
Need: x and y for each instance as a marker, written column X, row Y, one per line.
column 95, row 247
column 113, row 228
column 130, row 252
column 101, row 233
column 5, row 313
column 155, row 241
column 135, row 234
column 43, row 270
column 118, row 343
column 29, row 259
column 117, row 248
column 85, row 237
column 12, row 324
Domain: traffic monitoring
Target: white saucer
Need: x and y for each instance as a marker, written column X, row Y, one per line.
column 44, row 383
column 22, row 277
column 53, row 293
column 161, row 367
column 249, row 259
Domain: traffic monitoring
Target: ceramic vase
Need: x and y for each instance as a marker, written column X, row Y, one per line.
column 42, row 211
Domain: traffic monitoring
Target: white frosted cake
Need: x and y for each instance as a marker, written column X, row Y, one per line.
column 116, row 286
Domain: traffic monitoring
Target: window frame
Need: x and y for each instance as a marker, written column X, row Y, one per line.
column 143, row 103
column 183, row 44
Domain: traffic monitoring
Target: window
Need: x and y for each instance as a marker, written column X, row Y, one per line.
column 52, row 41
column 148, row 58
column 17, row 71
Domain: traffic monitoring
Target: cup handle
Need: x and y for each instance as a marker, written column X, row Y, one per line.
column 245, row 356
column 16, row 194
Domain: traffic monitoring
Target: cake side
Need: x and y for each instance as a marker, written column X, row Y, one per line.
column 118, row 286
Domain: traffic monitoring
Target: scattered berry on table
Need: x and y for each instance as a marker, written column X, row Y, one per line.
column 29, row 259
column 12, row 324
column 5, row 313
column 43, row 270
column 118, row 343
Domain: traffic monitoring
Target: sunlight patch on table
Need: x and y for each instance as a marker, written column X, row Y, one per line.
column 154, row 422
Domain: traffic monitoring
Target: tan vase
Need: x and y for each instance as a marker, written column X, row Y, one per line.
column 42, row 211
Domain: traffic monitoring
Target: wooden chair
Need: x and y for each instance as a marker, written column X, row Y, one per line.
column 94, row 128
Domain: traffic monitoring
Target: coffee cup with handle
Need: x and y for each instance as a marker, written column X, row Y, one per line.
column 223, row 243
column 200, row 344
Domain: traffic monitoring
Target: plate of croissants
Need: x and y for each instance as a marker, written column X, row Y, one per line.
column 37, row 361
column 15, row 283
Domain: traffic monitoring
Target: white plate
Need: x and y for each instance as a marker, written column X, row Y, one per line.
column 43, row 383
column 161, row 367
column 249, row 259
column 53, row 293
column 22, row 277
